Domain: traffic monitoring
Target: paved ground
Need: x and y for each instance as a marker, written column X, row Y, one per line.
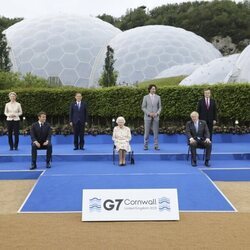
column 66, row 231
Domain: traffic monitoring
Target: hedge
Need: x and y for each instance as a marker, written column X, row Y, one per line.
column 233, row 102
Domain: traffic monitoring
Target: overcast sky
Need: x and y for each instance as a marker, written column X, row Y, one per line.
column 34, row 8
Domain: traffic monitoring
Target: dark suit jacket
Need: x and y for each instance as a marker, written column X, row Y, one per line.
column 205, row 114
column 40, row 135
column 202, row 133
column 76, row 115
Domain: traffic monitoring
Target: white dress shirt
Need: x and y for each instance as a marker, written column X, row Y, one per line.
column 207, row 102
column 152, row 96
column 13, row 110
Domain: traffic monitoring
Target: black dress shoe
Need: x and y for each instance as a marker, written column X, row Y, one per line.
column 16, row 149
column 82, row 148
column 207, row 164
column 120, row 164
column 33, row 166
column 157, row 148
column 48, row 165
column 194, row 163
column 145, row 147
column 75, row 148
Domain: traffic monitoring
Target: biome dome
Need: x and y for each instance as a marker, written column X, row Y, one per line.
column 142, row 53
column 241, row 69
column 178, row 70
column 64, row 46
column 73, row 48
column 212, row 72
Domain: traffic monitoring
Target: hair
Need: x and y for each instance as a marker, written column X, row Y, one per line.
column 12, row 93
column 120, row 118
column 151, row 86
column 41, row 113
column 206, row 89
column 78, row 93
column 194, row 113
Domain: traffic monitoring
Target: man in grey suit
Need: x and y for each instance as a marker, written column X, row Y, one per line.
column 198, row 137
column 151, row 107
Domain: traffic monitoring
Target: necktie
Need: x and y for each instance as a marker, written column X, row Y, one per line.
column 78, row 104
column 41, row 127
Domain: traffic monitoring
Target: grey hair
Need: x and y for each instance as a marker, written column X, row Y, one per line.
column 194, row 113
column 120, row 119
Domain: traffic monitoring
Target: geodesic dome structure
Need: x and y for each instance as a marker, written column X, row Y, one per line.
column 241, row 69
column 178, row 70
column 142, row 53
column 73, row 49
column 64, row 46
column 212, row 72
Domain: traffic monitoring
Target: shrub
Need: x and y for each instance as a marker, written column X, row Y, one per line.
column 104, row 104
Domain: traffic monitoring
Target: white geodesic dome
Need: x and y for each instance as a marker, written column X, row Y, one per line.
column 142, row 53
column 241, row 69
column 64, row 46
column 178, row 70
column 212, row 72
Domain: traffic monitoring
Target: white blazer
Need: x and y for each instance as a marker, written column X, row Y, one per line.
column 13, row 108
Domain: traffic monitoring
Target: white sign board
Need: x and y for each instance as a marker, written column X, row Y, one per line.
column 129, row 204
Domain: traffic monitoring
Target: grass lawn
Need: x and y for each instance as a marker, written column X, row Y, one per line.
column 171, row 81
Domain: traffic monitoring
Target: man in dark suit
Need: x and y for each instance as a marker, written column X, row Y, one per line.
column 198, row 137
column 78, row 118
column 41, row 139
column 207, row 110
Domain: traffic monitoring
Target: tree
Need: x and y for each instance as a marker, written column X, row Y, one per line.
column 7, row 22
column 109, row 75
column 107, row 18
column 5, row 63
column 209, row 19
column 133, row 18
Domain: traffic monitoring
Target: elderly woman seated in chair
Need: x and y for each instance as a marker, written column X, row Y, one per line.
column 121, row 138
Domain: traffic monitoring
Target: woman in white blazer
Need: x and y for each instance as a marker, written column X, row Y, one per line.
column 13, row 111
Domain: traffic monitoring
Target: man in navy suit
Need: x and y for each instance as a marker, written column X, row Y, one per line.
column 198, row 137
column 40, row 133
column 207, row 110
column 78, row 118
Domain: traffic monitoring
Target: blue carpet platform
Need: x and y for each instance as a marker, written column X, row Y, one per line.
column 59, row 189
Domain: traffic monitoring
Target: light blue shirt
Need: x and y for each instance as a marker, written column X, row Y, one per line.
column 196, row 124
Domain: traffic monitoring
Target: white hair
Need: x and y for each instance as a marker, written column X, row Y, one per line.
column 120, row 119
column 194, row 113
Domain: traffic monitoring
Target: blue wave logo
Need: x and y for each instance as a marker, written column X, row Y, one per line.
column 95, row 205
column 164, row 204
